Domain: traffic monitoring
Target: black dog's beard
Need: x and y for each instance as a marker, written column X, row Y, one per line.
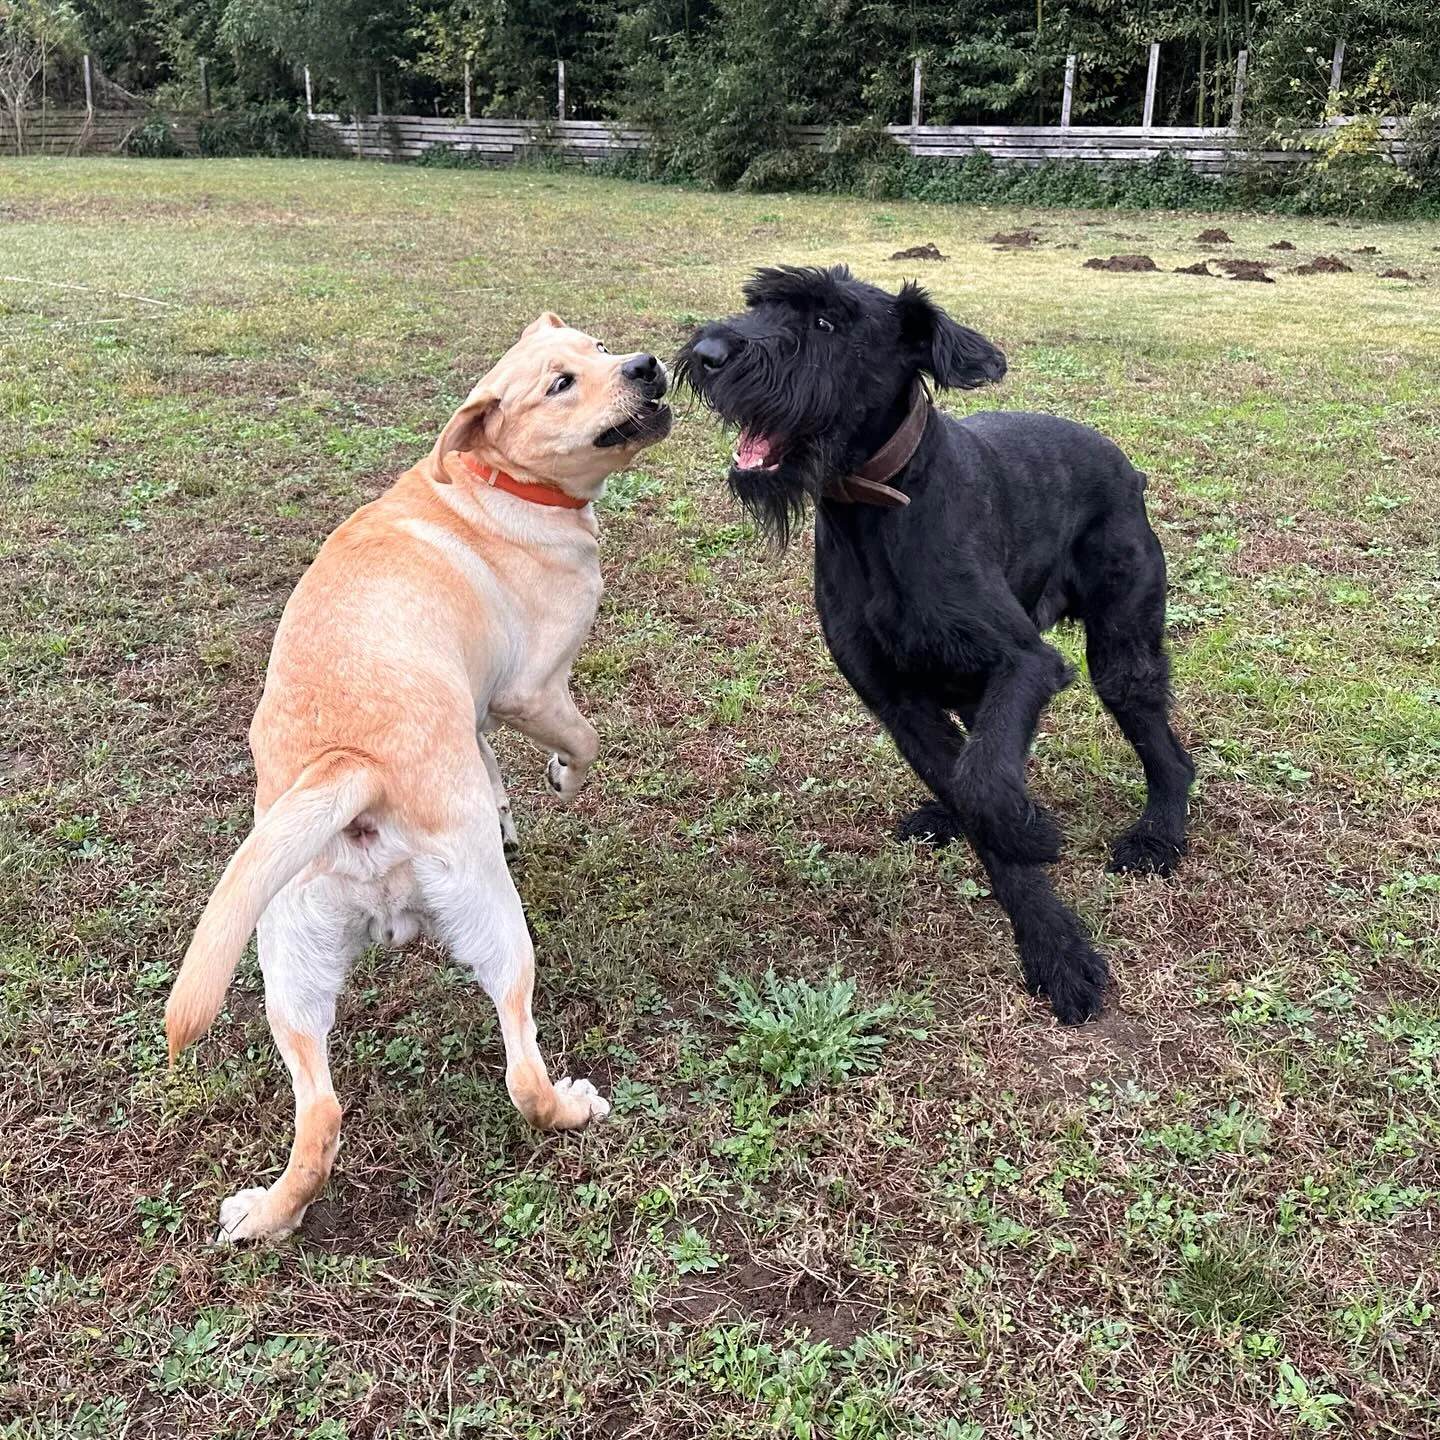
column 774, row 398
column 774, row 499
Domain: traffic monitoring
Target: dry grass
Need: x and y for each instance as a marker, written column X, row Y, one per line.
column 1210, row 1214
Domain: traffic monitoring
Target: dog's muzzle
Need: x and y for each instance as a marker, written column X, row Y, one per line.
column 650, row 420
column 711, row 353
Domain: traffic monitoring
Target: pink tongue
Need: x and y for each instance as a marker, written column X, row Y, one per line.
column 753, row 451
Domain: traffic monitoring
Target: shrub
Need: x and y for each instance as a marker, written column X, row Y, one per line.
column 712, row 120
column 865, row 160
column 153, row 138
column 445, row 157
column 277, row 130
column 1350, row 175
column 1422, row 149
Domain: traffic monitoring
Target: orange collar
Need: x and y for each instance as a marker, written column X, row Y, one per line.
column 535, row 494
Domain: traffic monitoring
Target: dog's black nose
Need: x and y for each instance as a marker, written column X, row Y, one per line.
column 642, row 369
column 712, row 351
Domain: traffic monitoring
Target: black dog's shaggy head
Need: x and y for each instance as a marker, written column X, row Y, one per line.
column 817, row 372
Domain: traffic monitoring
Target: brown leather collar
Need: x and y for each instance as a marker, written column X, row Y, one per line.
column 867, row 485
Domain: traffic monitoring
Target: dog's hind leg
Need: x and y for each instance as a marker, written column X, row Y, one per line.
column 307, row 939
column 1125, row 649
column 476, row 913
column 508, row 833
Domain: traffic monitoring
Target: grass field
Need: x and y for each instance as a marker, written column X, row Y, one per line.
column 922, row 1210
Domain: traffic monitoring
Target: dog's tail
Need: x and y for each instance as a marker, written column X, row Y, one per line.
column 328, row 794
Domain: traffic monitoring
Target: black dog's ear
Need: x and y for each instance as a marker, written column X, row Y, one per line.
column 958, row 358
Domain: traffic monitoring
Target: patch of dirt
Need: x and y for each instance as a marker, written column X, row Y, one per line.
column 1265, row 550
column 928, row 251
column 757, row 1290
column 1214, row 237
column 1282, row 245
column 1395, row 273
column 1132, row 263
column 1246, row 270
column 1015, row 240
column 1365, row 250
column 15, row 763
column 1200, row 267
column 330, row 1224
column 1325, row 265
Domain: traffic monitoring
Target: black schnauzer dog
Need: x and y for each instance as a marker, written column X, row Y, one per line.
column 943, row 549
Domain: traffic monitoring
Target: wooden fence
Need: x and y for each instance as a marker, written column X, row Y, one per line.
column 82, row 132
column 1211, row 149
column 498, row 142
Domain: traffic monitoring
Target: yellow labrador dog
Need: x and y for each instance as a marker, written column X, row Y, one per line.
column 455, row 602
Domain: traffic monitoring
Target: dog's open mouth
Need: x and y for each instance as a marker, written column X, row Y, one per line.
column 756, row 452
column 650, row 423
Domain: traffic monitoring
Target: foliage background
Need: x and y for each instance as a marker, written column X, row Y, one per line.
column 692, row 64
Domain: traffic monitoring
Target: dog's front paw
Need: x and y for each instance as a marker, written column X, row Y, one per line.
column 556, row 775
column 1077, row 986
column 1072, row 974
column 579, row 1103
column 246, row 1215
column 934, row 822
column 1145, row 851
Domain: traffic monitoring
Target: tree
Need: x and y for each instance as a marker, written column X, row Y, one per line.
column 31, row 31
column 345, row 42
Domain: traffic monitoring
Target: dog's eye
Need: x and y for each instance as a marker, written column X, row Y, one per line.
column 560, row 382
column 821, row 323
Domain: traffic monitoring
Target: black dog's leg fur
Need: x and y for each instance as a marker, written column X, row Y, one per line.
column 1135, row 689
column 987, row 790
column 933, row 821
column 1125, row 649
column 1055, row 952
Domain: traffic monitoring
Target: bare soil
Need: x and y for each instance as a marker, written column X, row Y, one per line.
column 928, row 251
column 1325, row 265
column 1132, row 263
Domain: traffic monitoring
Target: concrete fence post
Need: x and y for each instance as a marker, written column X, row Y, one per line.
column 1150, row 79
column 1069, row 96
column 1240, row 61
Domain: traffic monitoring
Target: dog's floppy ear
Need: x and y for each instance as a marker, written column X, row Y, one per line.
column 548, row 319
column 475, row 417
column 958, row 358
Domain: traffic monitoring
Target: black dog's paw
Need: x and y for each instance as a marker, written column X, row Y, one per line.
column 1075, row 981
column 1145, row 851
column 934, row 822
